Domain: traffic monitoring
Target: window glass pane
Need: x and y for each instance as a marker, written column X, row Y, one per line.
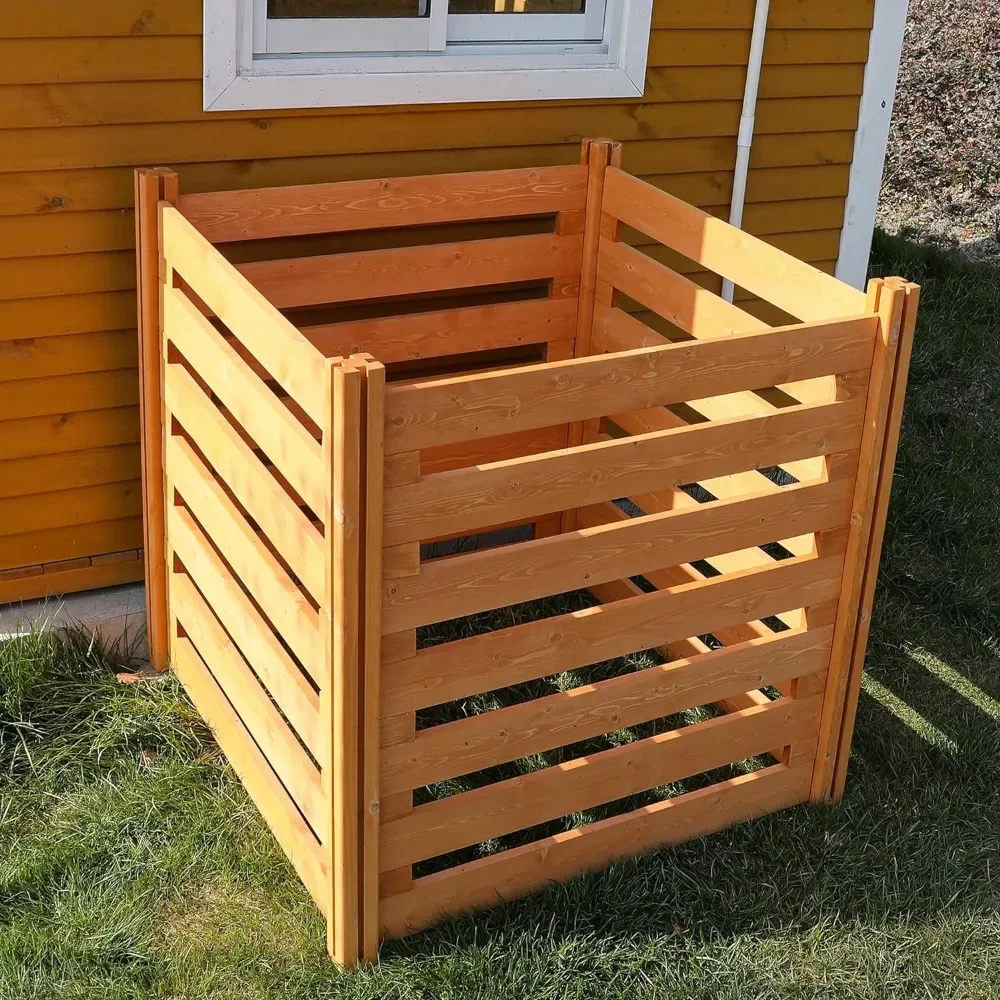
column 346, row 8
column 516, row 6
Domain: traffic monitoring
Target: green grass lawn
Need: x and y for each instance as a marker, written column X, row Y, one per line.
column 133, row 865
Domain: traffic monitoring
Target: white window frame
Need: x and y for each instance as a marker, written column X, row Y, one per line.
column 252, row 62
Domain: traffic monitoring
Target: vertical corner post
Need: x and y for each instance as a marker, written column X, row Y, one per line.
column 886, row 300
column 597, row 155
column 340, row 691
column 911, row 299
column 152, row 186
column 370, row 585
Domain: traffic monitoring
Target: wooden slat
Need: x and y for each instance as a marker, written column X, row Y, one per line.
column 478, row 581
column 449, row 331
column 472, row 406
column 260, row 572
column 372, row 484
column 290, row 829
column 346, row 277
column 467, row 499
column 255, row 407
column 277, row 344
column 292, row 534
column 491, row 738
column 269, row 730
column 747, row 261
column 263, row 650
column 381, row 203
column 536, row 649
column 513, row 873
column 530, row 799
column 676, row 298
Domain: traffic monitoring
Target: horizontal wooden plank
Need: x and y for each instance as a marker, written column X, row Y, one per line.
column 392, row 130
column 671, row 295
column 479, row 581
column 467, row 499
column 472, row 406
column 540, row 796
column 59, row 582
column 449, row 331
column 46, row 473
column 346, row 277
column 65, row 192
column 47, row 19
column 258, row 643
column 55, row 314
column 86, row 59
column 69, row 393
column 513, row 873
column 492, row 738
column 288, row 826
column 72, row 274
column 30, row 548
column 720, row 46
column 782, row 14
column 67, row 507
column 46, row 357
column 84, row 82
column 536, row 649
column 385, row 202
column 259, row 571
column 66, row 432
column 747, row 261
column 293, row 535
column 263, row 721
column 296, row 365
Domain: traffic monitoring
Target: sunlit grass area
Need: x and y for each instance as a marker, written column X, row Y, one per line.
column 132, row 864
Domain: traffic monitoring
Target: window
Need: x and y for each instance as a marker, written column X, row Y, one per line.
column 343, row 53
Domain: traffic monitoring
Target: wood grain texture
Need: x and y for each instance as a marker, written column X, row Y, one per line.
column 526, row 652
column 479, row 581
column 474, row 406
column 468, row 499
column 346, row 277
column 493, row 810
column 513, row 873
column 491, row 738
column 387, row 202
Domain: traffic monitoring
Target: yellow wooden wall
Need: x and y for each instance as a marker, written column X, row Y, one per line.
column 90, row 90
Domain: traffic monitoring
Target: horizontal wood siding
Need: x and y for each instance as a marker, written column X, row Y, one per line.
column 90, row 91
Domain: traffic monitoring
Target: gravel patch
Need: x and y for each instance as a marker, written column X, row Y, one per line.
column 942, row 174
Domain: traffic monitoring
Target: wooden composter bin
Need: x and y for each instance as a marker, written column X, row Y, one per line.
column 381, row 364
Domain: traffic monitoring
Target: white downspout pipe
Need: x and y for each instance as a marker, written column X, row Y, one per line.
column 744, row 139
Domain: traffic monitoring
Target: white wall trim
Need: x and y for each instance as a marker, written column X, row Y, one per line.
column 871, row 139
column 238, row 79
